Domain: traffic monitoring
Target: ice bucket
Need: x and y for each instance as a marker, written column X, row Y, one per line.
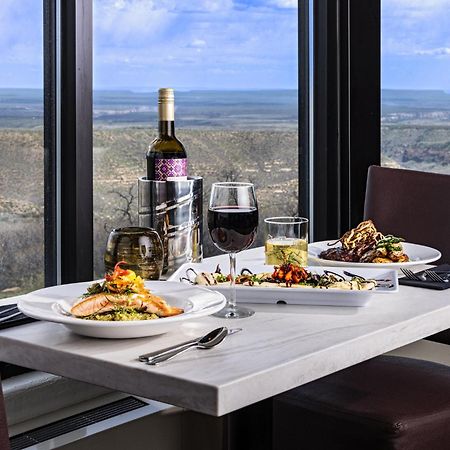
column 175, row 210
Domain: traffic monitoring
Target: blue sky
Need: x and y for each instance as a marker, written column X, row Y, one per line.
column 216, row 44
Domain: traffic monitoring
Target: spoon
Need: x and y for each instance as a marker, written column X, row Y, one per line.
column 208, row 341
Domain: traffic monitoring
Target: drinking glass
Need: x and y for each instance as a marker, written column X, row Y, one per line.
column 287, row 240
column 232, row 224
column 140, row 248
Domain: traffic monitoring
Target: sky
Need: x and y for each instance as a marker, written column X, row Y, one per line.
column 220, row 44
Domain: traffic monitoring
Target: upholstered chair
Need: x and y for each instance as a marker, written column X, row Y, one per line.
column 389, row 402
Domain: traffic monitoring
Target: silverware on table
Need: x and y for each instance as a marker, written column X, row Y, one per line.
column 13, row 308
column 433, row 276
column 410, row 275
column 427, row 275
column 4, row 319
column 169, row 352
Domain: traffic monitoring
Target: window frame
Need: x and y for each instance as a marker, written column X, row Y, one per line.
column 346, row 111
column 68, row 139
column 339, row 115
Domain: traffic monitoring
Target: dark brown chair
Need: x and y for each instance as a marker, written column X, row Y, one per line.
column 413, row 205
column 410, row 204
column 4, row 437
column 389, row 402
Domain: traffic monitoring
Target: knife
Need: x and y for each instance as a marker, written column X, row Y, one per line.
column 165, row 351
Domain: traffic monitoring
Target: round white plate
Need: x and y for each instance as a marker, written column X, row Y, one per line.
column 196, row 301
column 418, row 254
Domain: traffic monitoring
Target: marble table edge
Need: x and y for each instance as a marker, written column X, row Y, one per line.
column 357, row 356
column 195, row 392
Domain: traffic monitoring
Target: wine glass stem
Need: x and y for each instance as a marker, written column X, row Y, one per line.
column 232, row 299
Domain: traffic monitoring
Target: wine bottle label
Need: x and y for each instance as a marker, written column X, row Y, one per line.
column 165, row 168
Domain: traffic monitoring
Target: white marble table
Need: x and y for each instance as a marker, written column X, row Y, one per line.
column 279, row 348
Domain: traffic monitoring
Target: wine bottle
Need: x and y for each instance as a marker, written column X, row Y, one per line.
column 166, row 156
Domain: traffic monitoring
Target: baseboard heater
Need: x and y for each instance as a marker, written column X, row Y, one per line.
column 75, row 422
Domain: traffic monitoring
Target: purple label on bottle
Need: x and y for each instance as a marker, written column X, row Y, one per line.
column 165, row 168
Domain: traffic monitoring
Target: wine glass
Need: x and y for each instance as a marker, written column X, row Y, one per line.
column 232, row 224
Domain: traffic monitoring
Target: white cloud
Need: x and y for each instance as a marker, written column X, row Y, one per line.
column 128, row 19
column 415, row 27
column 424, row 4
column 233, row 46
column 442, row 51
column 21, row 32
column 285, row 3
column 213, row 5
column 197, row 43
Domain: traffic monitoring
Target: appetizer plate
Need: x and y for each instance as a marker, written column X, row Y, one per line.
column 48, row 304
column 418, row 254
column 297, row 296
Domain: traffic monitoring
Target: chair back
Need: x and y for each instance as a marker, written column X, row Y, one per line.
column 410, row 204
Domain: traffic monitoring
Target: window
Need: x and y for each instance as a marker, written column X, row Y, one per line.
column 21, row 147
column 416, row 85
column 234, row 65
column 234, row 69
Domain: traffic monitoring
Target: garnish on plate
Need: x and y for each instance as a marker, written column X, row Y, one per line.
column 283, row 276
column 366, row 244
column 122, row 296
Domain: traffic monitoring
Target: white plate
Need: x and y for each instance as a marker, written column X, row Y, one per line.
column 296, row 296
column 418, row 254
column 196, row 302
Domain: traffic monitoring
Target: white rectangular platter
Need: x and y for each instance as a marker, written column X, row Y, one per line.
column 297, row 296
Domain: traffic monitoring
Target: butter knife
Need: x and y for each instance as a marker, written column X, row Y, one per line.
column 175, row 348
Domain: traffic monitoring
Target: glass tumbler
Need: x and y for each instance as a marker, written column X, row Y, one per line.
column 140, row 248
column 286, row 241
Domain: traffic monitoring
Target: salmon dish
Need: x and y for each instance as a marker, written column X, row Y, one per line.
column 122, row 297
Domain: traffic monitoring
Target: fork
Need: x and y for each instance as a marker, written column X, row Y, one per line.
column 435, row 277
column 5, row 318
column 410, row 275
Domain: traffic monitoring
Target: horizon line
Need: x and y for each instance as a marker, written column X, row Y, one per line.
column 155, row 90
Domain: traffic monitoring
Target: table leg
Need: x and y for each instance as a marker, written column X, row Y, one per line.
column 4, row 436
column 250, row 428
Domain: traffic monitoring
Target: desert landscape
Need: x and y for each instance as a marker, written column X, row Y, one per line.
column 247, row 147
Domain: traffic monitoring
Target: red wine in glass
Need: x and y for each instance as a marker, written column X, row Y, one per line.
column 232, row 228
column 232, row 224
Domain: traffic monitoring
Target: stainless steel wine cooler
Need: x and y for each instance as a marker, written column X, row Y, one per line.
column 175, row 210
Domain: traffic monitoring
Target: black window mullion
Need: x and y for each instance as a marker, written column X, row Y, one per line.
column 76, row 141
column 304, row 196
column 346, row 111
column 326, row 143
column 364, row 103
column 50, row 146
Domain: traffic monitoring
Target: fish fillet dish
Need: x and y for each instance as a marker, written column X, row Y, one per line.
column 122, row 297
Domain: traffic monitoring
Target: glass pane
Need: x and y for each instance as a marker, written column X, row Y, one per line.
column 233, row 66
column 21, row 148
column 415, row 125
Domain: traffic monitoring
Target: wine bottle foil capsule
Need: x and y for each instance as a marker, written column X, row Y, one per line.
column 175, row 210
